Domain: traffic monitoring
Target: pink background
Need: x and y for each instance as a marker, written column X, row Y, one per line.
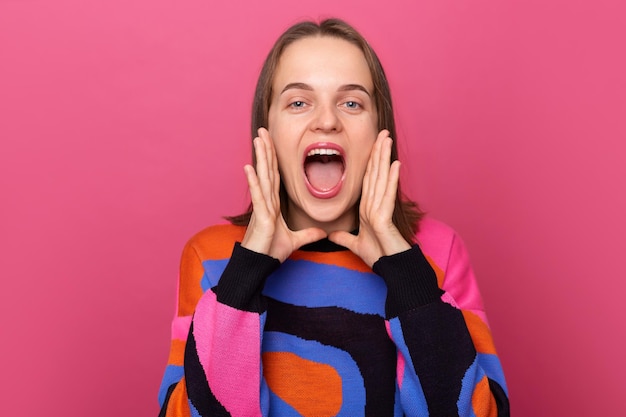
column 124, row 129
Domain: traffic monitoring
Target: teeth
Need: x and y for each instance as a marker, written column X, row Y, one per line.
column 322, row 151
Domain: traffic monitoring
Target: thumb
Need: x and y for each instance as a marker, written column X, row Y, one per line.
column 343, row 238
column 306, row 236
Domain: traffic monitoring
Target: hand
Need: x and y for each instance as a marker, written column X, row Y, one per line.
column 378, row 236
column 267, row 231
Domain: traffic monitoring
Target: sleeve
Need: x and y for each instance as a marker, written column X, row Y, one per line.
column 447, row 362
column 214, row 369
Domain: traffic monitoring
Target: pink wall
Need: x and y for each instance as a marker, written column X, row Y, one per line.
column 121, row 120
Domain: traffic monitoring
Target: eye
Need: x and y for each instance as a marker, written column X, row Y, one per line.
column 298, row 104
column 352, row 105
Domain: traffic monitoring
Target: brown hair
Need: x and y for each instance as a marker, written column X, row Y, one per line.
column 406, row 214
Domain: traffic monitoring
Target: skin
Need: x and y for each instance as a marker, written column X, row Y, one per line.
column 322, row 93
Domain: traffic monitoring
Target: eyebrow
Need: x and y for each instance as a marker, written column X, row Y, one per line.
column 346, row 87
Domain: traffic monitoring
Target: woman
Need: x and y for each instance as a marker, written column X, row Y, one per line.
column 331, row 295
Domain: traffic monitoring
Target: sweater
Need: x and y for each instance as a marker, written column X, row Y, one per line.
column 322, row 334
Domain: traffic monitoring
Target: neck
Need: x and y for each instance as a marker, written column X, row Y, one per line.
column 298, row 220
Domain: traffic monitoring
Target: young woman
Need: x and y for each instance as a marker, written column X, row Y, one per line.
column 331, row 295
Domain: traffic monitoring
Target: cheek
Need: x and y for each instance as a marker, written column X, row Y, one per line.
column 365, row 150
column 288, row 162
column 359, row 166
column 272, row 122
column 363, row 164
column 285, row 146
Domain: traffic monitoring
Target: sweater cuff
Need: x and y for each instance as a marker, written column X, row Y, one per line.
column 243, row 278
column 411, row 281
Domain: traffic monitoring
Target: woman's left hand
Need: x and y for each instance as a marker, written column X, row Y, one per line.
column 378, row 236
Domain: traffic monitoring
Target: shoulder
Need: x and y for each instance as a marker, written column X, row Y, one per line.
column 446, row 249
column 434, row 234
column 215, row 242
column 437, row 240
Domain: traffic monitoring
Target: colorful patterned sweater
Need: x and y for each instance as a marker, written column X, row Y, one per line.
column 325, row 335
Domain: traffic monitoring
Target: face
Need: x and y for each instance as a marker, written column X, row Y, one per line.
column 323, row 122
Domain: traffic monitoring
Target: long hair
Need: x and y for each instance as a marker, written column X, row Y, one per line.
column 406, row 213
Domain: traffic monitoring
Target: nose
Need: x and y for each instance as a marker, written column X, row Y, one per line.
column 326, row 119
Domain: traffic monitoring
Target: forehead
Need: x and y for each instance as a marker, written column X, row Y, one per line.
column 323, row 60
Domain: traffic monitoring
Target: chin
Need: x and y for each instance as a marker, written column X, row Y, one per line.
column 328, row 212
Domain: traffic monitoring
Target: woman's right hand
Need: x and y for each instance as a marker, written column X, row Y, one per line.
column 267, row 231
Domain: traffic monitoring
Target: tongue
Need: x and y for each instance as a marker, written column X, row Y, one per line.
column 324, row 175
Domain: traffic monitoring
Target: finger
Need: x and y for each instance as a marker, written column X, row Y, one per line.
column 373, row 193
column 275, row 168
column 344, row 239
column 259, row 232
column 369, row 180
column 262, row 169
column 365, row 189
column 306, row 236
column 375, row 159
column 389, row 199
column 268, row 149
column 273, row 174
column 256, row 194
column 383, row 172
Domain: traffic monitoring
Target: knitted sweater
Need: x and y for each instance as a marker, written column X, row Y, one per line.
column 325, row 335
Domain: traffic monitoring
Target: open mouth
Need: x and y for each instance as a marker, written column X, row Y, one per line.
column 324, row 167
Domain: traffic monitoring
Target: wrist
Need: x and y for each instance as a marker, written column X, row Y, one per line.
column 393, row 243
column 411, row 281
column 255, row 242
column 243, row 279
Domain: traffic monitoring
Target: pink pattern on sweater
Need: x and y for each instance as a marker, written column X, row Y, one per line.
column 180, row 327
column 234, row 379
column 441, row 243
